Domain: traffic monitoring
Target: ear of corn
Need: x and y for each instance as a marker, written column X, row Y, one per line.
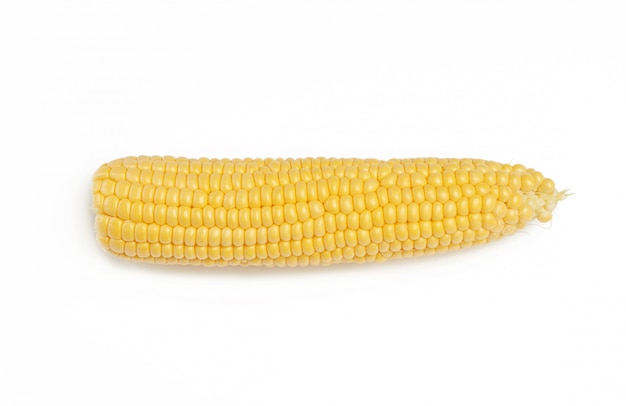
column 309, row 211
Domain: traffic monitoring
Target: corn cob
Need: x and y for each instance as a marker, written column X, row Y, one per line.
column 288, row 212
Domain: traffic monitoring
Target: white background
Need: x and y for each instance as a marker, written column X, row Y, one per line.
column 535, row 319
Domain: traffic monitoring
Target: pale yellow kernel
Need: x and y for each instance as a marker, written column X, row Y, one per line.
column 371, row 201
column 365, row 220
column 383, row 248
column 526, row 213
column 273, row 233
column 148, row 212
column 332, row 204
column 462, row 176
column 358, row 202
column 153, row 233
column 468, row 189
column 438, row 229
column 184, row 216
column 256, row 220
column 351, row 238
column 190, row 236
column 389, row 232
column 511, row 216
column 318, row 244
column 413, row 230
column 158, row 213
column 290, row 213
column 475, row 220
column 475, row 203
column 227, row 253
column 130, row 249
column 462, row 222
column 348, row 252
column 370, row 185
column 263, row 197
column 117, row 246
column 432, row 242
column 141, row 232
column 489, row 221
column 382, row 195
column 413, row 212
column 308, row 228
column 221, row 217
column 266, row 216
column 515, row 180
column 395, row 195
column 469, row 236
column 334, row 185
column 515, row 201
column 449, row 225
column 230, row 200
column 389, row 214
column 249, row 252
column 500, row 210
column 388, row 179
column 462, row 206
column 262, row 235
column 169, row 179
column 528, row 182
column 110, row 205
column 136, row 211
column 356, row 186
column 278, row 215
column 483, row 188
column 123, row 209
column 278, row 196
column 238, row 237
column 214, row 253
column 546, row 186
column 155, row 250
column 201, row 237
column 285, row 232
column 482, row 234
column 135, row 192
column 149, row 191
column 402, row 232
column 127, row 232
column 307, row 246
column 345, row 204
column 186, row 197
column 172, row 216
column 329, row 242
column 430, row 193
column 289, row 193
column 407, row 195
column 455, row 192
column 475, row 176
column 353, row 221
column 226, row 238
column 314, row 208
column 107, row 187
column 376, row 235
column 437, row 211
column 418, row 179
column 178, row 235
column 319, row 227
column 296, row 248
column 489, row 177
column 363, row 237
column 489, row 201
column 426, row 210
column 165, row 234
